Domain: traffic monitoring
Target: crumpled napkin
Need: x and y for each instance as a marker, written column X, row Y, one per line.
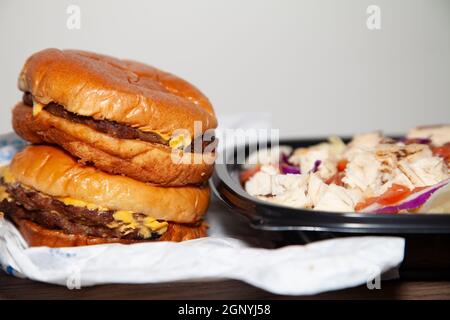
column 232, row 251
column 292, row 270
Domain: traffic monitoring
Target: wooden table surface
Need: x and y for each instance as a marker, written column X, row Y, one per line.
column 14, row 288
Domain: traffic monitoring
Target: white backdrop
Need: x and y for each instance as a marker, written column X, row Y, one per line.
column 313, row 64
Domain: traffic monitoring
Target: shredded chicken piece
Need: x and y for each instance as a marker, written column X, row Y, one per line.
column 294, row 198
column 306, row 157
column 269, row 182
column 259, row 184
column 327, row 152
column 337, row 198
column 327, row 169
column 424, row 172
column 266, row 156
column 316, row 189
column 439, row 135
column 363, row 142
column 363, row 172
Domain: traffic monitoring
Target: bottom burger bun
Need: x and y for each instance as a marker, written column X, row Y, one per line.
column 55, row 173
column 36, row 235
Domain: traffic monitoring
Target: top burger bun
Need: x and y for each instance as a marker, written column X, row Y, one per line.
column 126, row 92
column 53, row 172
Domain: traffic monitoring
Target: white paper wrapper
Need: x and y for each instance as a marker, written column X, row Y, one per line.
column 293, row 270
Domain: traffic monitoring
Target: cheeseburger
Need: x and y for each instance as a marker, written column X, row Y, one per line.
column 57, row 201
column 103, row 168
column 123, row 117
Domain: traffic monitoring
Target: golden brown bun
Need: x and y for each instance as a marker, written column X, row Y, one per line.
column 54, row 172
column 124, row 91
column 36, row 235
column 140, row 160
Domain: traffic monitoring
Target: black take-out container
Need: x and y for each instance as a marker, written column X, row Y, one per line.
column 427, row 253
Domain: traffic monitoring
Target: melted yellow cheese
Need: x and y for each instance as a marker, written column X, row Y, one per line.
column 6, row 174
column 146, row 226
column 4, row 194
column 80, row 203
column 37, row 108
column 165, row 136
column 125, row 217
column 155, row 225
column 180, row 141
column 125, row 220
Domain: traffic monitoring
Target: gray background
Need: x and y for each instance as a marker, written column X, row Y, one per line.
column 313, row 64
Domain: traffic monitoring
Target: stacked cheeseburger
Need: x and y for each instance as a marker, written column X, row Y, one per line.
column 105, row 164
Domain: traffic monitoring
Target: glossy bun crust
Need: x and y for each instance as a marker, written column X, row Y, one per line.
column 124, row 91
column 36, row 235
column 140, row 160
column 55, row 173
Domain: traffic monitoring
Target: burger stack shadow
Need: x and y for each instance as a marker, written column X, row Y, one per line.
column 119, row 153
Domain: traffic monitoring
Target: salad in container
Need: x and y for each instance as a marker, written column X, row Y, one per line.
column 372, row 173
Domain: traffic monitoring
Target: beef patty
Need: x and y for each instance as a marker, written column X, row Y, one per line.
column 54, row 214
column 115, row 129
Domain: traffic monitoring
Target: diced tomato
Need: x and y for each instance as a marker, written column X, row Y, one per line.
column 442, row 151
column 247, row 174
column 336, row 179
column 341, row 165
column 394, row 194
column 365, row 203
